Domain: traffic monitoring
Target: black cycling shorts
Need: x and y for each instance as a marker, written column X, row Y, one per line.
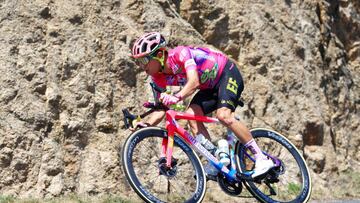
column 226, row 93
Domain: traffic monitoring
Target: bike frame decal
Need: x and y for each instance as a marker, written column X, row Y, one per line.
column 164, row 147
column 171, row 126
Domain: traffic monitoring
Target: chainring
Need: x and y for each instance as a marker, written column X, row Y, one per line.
column 233, row 189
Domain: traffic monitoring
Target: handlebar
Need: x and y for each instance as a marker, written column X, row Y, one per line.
column 157, row 105
column 128, row 118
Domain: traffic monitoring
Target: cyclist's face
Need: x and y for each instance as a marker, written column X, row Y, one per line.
column 152, row 67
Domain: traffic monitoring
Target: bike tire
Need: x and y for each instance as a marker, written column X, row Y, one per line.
column 193, row 184
column 294, row 185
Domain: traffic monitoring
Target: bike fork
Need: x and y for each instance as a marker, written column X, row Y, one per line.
column 167, row 147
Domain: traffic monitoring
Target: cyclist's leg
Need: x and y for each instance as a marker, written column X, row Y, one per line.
column 227, row 118
column 230, row 88
column 229, row 91
column 204, row 102
column 197, row 127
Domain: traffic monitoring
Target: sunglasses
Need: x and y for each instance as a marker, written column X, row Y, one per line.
column 144, row 60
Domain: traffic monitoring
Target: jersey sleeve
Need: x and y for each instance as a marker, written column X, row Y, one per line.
column 186, row 58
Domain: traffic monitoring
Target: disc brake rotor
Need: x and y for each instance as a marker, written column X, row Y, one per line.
column 166, row 171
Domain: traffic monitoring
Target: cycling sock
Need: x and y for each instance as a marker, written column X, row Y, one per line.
column 255, row 150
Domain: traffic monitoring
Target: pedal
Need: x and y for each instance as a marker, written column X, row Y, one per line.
column 244, row 176
column 247, row 177
column 259, row 178
column 272, row 191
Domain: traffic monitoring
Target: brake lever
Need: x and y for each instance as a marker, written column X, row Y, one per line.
column 128, row 118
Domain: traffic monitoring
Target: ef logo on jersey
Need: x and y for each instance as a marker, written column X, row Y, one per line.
column 232, row 86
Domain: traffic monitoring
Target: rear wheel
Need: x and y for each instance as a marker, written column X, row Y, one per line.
column 288, row 182
column 148, row 175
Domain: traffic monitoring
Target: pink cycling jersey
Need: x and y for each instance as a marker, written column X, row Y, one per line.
column 208, row 63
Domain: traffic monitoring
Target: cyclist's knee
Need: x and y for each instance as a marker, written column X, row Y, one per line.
column 225, row 116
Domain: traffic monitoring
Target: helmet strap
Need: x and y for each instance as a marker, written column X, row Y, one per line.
column 161, row 60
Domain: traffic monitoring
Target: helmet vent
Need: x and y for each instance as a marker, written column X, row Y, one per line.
column 152, row 38
column 143, row 47
column 152, row 47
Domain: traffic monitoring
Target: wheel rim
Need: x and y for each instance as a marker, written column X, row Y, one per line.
column 175, row 185
column 291, row 181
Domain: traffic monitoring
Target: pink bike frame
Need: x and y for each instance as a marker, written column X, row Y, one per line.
column 173, row 127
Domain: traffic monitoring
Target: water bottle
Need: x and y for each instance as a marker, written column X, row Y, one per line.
column 223, row 152
column 231, row 137
column 206, row 143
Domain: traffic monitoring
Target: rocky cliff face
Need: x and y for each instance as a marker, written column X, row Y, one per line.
column 66, row 74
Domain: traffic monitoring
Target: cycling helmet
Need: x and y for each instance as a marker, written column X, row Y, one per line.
column 148, row 44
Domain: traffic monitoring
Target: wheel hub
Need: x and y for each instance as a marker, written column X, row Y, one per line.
column 169, row 172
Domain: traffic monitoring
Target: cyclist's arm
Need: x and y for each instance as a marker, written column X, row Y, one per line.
column 191, row 85
column 193, row 82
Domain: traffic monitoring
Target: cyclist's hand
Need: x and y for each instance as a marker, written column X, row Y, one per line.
column 168, row 99
column 138, row 124
column 148, row 105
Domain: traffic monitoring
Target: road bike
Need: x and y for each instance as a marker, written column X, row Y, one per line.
column 161, row 165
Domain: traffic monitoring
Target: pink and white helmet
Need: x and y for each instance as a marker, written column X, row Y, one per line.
column 148, row 44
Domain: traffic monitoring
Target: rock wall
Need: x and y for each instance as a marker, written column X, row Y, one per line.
column 66, row 74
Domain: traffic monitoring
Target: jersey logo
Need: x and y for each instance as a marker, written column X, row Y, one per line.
column 232, row 86
column 183, row 55
column 175, row 68
column 170, row 80
column 209, row 74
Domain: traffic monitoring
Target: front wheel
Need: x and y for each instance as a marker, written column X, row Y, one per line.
column 148, row 175
column 288, row 182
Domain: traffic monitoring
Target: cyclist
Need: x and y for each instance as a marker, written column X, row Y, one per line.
column 218, row 79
